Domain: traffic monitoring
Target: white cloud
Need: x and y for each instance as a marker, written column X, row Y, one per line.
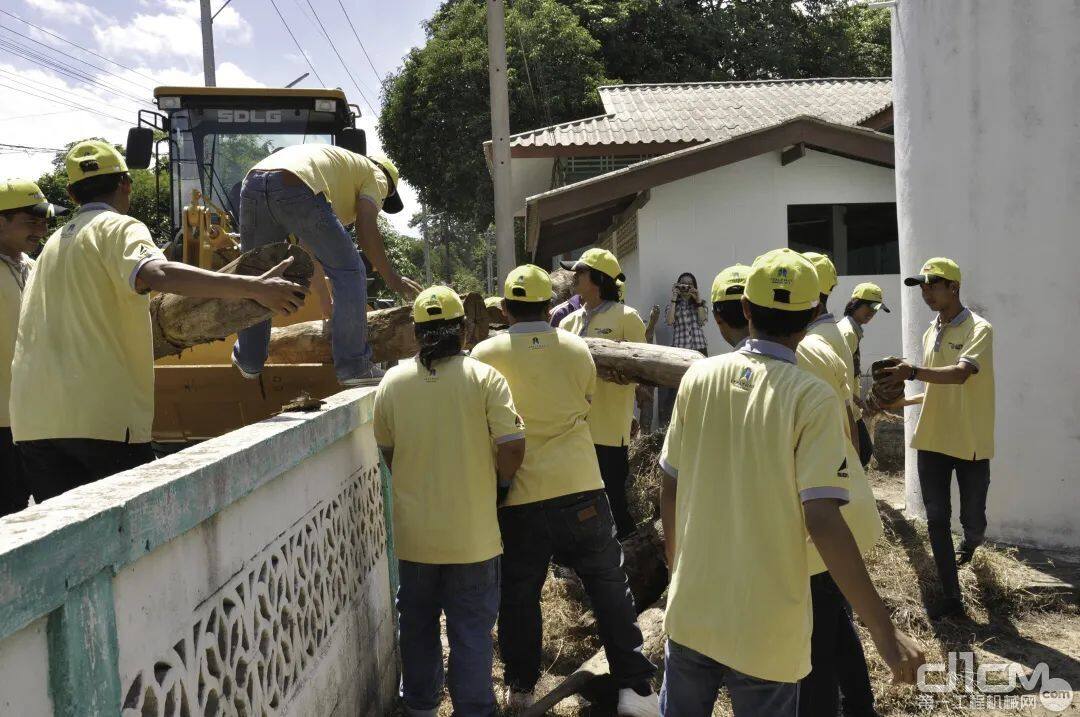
column 173, row 30
column 69, row 11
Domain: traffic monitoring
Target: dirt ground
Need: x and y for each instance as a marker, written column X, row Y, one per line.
column 1021, row 609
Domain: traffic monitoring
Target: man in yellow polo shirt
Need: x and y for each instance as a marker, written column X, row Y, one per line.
column 24, row 215
column 755, row 460
column 313, row 191
column 82, row 376
column 557, row 505
column 955, row 431
column 836, row 655
column 866, row 301
column 447, row 425
column 597, row 274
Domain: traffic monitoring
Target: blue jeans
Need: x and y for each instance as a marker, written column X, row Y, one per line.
column 692, row 681
column 274, row 205
column 469, row 595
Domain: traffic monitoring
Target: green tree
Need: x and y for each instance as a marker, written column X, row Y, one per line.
column 435, row 116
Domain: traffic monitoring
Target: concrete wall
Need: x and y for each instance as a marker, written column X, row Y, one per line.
column 247, row 575
column 732, row 214
column 988, row 173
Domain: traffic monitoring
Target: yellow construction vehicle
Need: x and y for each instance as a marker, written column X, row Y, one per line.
column 210, row 137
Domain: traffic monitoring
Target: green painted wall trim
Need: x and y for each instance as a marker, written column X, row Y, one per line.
column 388, row 515
column 67, row 541
column 84, row 672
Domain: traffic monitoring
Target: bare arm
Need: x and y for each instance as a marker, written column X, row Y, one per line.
column 668, row 492
column 270, row 289
column 838, row 550
column 853, row 428
column 956, row 374
column 371, row 241
column 508, row 458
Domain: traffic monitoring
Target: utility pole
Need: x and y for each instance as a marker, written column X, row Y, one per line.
column 425, row 231
column 500, row 138
column 209, row 75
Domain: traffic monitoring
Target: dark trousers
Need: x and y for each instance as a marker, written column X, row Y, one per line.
column 579, row 531
column 692, row 681
column 469, row 596
column 935, row 479
column 836, row 655
column 56, row 465
column 14, row 493
column 615, row 470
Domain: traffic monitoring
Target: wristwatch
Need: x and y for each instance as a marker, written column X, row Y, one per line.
column 914, row 371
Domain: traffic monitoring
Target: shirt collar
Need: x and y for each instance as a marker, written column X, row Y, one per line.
column 768, row 348
column 821, row 320
column 739, row 346
column 957, row 320
column 97, row 207
column 604, row 306
column 531, row 327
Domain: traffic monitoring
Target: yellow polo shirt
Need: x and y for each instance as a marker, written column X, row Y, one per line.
column 84, row 357
column 552, row 377
column 861, row 513
column 752, row 437
column 11, row 287
column 336, row 173
column 852, row 333
column 443, row 427
column 825, row 327
column 958, row 419
column 612, row 405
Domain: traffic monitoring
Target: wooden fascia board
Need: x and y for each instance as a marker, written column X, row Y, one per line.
column 879, row 120
column 594, row 150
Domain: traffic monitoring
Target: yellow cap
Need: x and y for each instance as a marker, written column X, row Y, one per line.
column 826, row 271
column 24, row 194
column 730, row 283
column 528, row 283
column 783, row 279
column 93, row 158
column 437, row 303
column 600, row 259
column 392, row 203
column 938, row 266
column 872, row 293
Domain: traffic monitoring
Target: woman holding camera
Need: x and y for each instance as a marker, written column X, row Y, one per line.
column 686, row 315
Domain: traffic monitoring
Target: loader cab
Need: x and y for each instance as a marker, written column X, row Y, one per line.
column 211, row 136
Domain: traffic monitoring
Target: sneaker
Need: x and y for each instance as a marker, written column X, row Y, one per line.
column 632, row 704
column 947, row 608
column 518, row 700
column 965, row 554
column 370, row 377
column 246, row 374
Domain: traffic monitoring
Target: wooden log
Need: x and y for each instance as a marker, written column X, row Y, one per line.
column 180, row 322
column 646, row 395
column 648, row 364
column 596, row 668
column 390, row 333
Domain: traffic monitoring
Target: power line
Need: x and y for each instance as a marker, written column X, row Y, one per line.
column 73, row 44
column 62, row 102
column 297, row 43
column 68, row 72
column 26, row 148
column 359, row 41
column 36, row 115
column 344, row 65
column 78, row 59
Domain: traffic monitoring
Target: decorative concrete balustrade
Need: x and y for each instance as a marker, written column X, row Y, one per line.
column 247, row 575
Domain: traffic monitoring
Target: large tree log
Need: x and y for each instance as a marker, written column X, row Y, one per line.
column 180, row 322
column 647, row 364
column 593, row 671
column 390, row 333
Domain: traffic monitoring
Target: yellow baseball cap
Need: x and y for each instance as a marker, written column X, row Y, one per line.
column 392, row 204
column 783, row 279
column 872, row 293
column 600, row 259
column 437, row 303
column 730, row 283
column 93, row 158
column 24, row 194
column 528, row 283
column 826, row 271
column 938, row 266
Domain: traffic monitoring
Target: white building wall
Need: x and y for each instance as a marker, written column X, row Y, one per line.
column 732, row 214
column 988, row 173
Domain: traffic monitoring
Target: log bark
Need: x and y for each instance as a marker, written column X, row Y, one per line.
column 390, row 333
column 180, row 322
column 647, row 364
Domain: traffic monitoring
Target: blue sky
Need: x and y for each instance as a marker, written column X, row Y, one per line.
column 160, row 39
